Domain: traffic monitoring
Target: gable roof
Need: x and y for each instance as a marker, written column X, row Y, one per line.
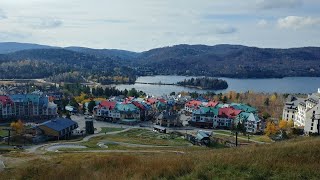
column 205, row 110
column 212, row 103
column 58, row 124
column 202, row 135
column 108, row 104
column 151, row 100
column 229, row 112
column 126, row 107
column 193, row 103
column 243, row 107
column 139, row 105
column 248, row 116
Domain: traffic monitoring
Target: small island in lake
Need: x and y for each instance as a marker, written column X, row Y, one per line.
column 204, row 83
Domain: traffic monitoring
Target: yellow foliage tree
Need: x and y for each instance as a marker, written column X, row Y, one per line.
column 271, row 129
column 18, row 126
column 273, row 98
column 283, row 124
column 80, row 98
column 290, row 123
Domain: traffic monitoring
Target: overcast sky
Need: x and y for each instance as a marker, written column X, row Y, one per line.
column 140, row 25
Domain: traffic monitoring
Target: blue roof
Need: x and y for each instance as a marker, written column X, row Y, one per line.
column 201, row 135
column 58, row 124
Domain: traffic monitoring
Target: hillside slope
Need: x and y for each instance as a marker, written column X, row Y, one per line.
column 295, row 159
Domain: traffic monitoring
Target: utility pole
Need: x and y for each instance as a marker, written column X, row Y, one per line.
column 236, row 137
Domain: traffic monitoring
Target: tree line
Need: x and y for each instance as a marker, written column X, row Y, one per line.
column 205, row 83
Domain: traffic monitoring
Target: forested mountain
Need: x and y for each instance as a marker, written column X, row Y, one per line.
column 114, row 54
column 233, row 61
column 43, row 63
column 118, row 66
column 8, row 47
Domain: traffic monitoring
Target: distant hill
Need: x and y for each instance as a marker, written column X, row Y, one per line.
column 233, row 61
column 223, row 60
column 9, row 47
column 109, row 53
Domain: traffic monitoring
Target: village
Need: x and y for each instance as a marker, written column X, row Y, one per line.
column 199, row 121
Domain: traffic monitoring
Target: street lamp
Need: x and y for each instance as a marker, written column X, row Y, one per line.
column 318, row 118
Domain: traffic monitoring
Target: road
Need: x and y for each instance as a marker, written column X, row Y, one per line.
column 147, row 125
column 2, row 166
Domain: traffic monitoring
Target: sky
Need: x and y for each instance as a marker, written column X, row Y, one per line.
column 140, row 25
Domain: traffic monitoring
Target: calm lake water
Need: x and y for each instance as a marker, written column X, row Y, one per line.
column 284, row 85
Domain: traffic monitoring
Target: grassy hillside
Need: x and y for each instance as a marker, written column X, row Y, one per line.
column 295, row 159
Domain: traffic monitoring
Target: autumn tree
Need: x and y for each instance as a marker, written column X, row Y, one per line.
column 271, row 129
column 283, row 124
column 81, row 98
column 273, row 98
column 17, row 126
column 290, row 123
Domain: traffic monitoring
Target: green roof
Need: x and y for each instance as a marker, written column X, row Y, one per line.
column 243, row 107
column 205, row 110
column 245, row 115
column 126, row 107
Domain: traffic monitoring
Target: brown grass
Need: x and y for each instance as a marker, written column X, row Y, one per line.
column 295, row 159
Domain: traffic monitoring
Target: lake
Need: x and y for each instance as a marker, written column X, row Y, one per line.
column 283, row 85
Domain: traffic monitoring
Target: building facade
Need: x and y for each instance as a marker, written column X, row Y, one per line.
column 27, row 106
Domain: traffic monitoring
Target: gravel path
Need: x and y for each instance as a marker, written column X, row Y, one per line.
column 2, row 166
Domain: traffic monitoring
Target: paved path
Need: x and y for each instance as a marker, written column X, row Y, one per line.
column 35, row 148
column 2, row 166
column 130, row 151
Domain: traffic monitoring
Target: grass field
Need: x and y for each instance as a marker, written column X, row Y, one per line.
column 110, row 129
column 142, row 136
column 2, row 132
column 260, row 138
column 294, row 159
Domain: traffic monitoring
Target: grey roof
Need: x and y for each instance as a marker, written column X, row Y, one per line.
column 159, row 127
column 58, row 124
column 202, row 135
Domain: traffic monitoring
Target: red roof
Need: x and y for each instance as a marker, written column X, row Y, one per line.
column 212, row 103
column 138, row 105
column 151, row 100
column 162, row 100
column 5, row 100
column 108, row 104
column 193, row 103
column 229, row 112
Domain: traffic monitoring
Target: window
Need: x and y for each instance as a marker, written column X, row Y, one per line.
column 311, row 128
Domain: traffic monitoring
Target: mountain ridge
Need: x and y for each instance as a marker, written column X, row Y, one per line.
column 223, row 60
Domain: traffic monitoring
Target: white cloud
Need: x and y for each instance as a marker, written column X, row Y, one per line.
column 143, row 24
column 13, row 36
column 224, row 29
column 46, row 23
column 2, row 15
column 274, row 4
column 263, row 23
column 296, row 22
